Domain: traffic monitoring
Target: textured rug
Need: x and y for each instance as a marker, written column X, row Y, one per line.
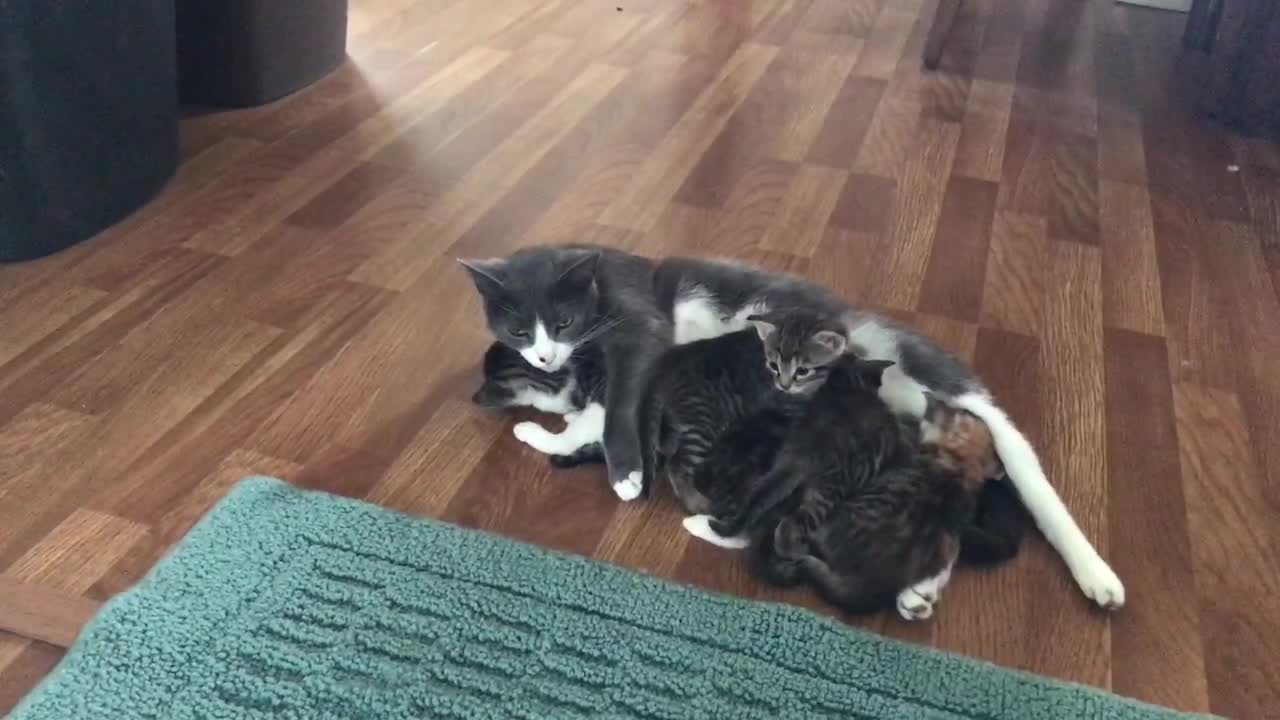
column 290, row 604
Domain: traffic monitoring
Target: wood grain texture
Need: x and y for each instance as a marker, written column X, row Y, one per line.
column 1044, row 205
column 1147, row 514
column 37, row 612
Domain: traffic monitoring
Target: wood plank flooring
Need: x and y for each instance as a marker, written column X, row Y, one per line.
column 1043, row 204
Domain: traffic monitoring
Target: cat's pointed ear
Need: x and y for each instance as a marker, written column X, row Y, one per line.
column 826, row 346
column 764, row 326
column 581, row 272
column 488, row 275
column 874, row 368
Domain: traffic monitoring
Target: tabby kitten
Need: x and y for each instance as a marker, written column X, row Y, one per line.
column 867, row 506
column 702, row 399
column 575, row 390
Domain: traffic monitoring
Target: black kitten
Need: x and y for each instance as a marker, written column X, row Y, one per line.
column 575, row 390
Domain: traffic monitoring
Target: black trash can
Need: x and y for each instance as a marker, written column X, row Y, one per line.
column 240, row 53
column 88, row 117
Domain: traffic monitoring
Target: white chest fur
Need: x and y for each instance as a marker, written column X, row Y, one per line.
column 560, row 403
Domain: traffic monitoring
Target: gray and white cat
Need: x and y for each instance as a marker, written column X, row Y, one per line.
column 548, row 303
column 544, row 301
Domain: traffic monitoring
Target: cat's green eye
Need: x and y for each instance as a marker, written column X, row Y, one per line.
column 520, row 333
column 564, row 323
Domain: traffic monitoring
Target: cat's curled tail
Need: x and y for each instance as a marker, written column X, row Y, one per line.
column 1096, row 579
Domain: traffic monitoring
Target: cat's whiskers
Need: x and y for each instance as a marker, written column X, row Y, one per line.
column 602, row 326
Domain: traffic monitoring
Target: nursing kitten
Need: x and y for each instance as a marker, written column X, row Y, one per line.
column 709, row 297
column 575, row 391
column 705, row 399
column 548, row 303
column 868, row 506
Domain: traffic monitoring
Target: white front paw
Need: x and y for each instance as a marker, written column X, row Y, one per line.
column 1100, row 584
column 629, row 487
column 699, row 526
column 914, row 606
column 531, row 434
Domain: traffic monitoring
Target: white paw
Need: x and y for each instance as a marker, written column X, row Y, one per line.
column 914, row 606
column 1100, row 584
column 529, row 433
column 629, row 487
column 699, row 526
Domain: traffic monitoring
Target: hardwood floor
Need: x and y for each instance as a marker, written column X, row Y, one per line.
column 1043, row 205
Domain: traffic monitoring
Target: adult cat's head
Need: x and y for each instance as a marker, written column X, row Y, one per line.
column 539, row 301
column 800, row 347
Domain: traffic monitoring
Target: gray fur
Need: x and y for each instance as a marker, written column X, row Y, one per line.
column 615, row 310
column 733, row 285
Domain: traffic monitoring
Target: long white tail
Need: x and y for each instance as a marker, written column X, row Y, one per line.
column 1095, row 577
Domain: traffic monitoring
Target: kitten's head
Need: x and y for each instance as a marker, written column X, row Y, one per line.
column 539, row 301
column 507, row 376
column 958, row 440
column 800, row 347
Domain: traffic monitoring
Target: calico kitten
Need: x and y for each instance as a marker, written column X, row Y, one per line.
column 548, row 303
column 575, row 390
column 866, row 505
column 703, row 397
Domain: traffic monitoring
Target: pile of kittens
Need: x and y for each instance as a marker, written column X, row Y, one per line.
column 775, row 439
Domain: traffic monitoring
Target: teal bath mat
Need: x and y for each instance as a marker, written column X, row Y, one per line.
column 291, row 604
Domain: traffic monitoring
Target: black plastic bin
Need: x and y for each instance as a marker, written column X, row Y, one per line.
column 88, row 117
column 240, row 53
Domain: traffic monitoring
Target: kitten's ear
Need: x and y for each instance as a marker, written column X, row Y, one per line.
column 580, row 273
column 826, row 346
column 490, row 396
column 874, row 369
column 488, row 275
column 764, row 326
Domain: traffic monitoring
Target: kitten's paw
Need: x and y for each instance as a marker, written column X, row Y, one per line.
column 914, row 606
column 629, row 487
column 699, row 526
column 1100, row 584
column 529, row 433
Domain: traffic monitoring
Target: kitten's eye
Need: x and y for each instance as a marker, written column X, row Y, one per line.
column 563, row 323
column 520, row 333
column 773, row 367
column 802, row 372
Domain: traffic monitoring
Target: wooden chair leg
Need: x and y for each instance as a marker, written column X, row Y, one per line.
column 943, row 18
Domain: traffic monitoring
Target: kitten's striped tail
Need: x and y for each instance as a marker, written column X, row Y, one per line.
column 850, row 592
column 1095, row 578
